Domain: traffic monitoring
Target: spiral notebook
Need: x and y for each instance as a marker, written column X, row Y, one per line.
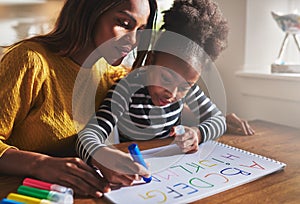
column 183, row 178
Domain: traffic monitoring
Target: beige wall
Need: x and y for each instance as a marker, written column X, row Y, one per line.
column 232, row 59
column 254, row 40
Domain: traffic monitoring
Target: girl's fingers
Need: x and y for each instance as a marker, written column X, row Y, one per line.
column 116, row 178
column 191, row 149
column 187, row 142
column 250, row 131
column 244, row 128
column 125, row 180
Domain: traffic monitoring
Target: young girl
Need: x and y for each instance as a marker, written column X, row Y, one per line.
column 148, row 102
column 37, row 76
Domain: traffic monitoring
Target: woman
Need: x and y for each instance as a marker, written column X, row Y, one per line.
column 37, row 76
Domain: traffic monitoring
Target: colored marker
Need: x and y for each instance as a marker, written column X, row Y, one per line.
column 137, row 157
column 179, row 130
column 44, row 194
column 8, row 201
column 46, row 186
column 28, row 199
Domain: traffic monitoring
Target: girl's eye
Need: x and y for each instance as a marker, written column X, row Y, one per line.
column 165, row 79
column 183, row 88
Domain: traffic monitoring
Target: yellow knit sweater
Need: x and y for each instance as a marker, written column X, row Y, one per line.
column 36, row 90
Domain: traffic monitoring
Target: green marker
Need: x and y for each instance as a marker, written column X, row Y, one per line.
column 44, row 194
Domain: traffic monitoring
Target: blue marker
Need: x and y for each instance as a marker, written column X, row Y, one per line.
column 8, row 201
column 137, row 157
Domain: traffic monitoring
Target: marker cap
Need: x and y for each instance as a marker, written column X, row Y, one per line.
column 147, row 180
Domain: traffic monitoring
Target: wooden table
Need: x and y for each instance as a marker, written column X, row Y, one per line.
column 271, row 140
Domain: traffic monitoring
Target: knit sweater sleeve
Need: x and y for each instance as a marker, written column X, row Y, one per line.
column 19, row 70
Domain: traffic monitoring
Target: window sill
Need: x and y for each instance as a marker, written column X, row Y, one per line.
column 278, row 86
column 268, row 75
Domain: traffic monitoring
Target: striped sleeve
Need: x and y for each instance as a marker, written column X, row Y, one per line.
column 211, row 121
column 102, row 123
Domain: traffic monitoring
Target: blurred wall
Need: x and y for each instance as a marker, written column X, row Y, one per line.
column 26, row 18
column 253, row 92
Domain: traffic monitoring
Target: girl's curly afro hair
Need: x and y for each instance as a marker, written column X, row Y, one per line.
column 201, row 21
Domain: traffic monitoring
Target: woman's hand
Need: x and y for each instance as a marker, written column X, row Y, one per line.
column 117, row 167
column 73, row 173
column 70, row 172
column 235, row 125
column 189, row 141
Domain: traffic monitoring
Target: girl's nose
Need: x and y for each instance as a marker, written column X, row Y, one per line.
column 173, row 92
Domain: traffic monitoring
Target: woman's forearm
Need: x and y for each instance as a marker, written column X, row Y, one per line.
column 19, row 163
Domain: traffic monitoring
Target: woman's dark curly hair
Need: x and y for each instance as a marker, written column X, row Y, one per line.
column 201, row 21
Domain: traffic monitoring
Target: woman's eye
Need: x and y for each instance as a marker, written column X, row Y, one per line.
column 124, row 23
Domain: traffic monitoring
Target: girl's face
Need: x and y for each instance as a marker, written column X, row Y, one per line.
column 170, row 79
column 116, row 29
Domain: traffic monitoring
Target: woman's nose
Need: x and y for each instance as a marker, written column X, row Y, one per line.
column 131, row 37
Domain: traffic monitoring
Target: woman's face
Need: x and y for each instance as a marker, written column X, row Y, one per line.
column 116, row 30
column 170, row 79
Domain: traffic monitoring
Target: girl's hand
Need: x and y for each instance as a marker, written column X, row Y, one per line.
column 117, row 167
column 235, row 125
column 73, row 173
column 189, row 141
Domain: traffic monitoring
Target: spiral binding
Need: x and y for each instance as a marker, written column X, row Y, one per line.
column 249, row 153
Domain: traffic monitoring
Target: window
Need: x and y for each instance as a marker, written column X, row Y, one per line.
column 264, row 37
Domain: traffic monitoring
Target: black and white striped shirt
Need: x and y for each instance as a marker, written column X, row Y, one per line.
column 129, row 105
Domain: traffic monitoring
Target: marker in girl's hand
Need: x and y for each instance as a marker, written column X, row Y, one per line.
column 179, row 130
column 137, row 157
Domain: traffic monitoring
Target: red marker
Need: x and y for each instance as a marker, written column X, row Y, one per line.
column 46, row 186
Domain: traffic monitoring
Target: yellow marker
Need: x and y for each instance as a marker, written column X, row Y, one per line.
column 27, row 199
